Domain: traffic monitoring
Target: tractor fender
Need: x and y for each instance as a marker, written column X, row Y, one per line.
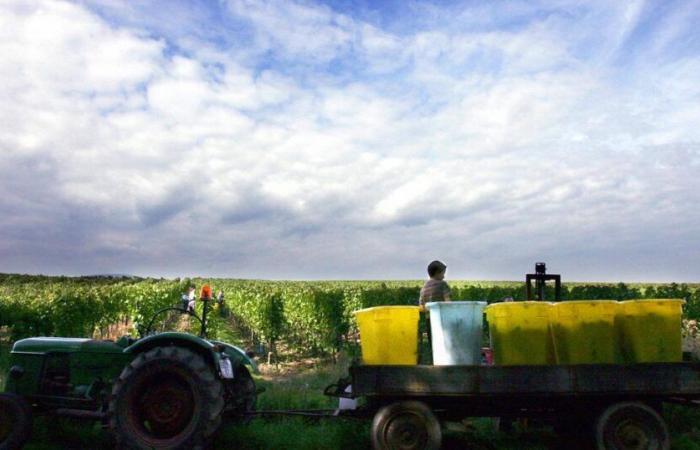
column 237, row 356
column 192, row 342
column 209, row 349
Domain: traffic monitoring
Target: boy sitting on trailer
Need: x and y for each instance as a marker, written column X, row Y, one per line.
column 435, row 289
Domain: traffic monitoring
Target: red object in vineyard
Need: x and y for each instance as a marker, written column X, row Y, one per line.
column 205, row 293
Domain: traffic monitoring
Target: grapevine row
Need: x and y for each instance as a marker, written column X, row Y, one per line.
column 314, row 317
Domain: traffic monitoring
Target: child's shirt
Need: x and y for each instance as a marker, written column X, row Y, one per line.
column 433, row 291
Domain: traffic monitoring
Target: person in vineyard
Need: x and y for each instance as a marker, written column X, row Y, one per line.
column 435, row 289
column 191, row 298
column 184, row 300
column 187, row 297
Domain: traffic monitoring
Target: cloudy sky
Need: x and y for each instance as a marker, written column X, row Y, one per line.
column 306, row 140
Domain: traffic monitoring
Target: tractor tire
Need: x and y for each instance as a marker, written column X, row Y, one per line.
column 15, row 421
column 166, row 398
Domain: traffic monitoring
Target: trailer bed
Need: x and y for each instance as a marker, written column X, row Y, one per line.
column 653, row 379
column 600, row 405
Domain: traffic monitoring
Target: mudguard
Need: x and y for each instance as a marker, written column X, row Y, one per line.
column 237, row 356
column 208, row 348
column 169, row 338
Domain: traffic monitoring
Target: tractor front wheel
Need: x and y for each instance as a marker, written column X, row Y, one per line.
column 167, row 397
column 15, row 421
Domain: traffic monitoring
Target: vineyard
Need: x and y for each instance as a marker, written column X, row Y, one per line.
column 310, row 317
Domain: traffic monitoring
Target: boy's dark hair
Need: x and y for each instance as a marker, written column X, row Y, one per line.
column 436, row 267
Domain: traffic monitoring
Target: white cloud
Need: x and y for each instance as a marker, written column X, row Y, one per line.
column 296, row 28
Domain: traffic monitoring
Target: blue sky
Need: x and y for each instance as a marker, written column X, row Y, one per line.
column 307, row 140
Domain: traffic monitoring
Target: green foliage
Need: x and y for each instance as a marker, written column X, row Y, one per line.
column 314, row 318
column 260, row 309
column 44, row 306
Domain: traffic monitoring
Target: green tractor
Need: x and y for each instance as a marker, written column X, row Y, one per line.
column 167, row 390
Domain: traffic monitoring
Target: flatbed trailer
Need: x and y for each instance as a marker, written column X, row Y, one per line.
column 619, row 405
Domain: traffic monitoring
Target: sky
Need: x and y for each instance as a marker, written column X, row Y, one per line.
column 289, row 139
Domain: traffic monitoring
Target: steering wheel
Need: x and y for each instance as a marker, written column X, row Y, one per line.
column 148, row 329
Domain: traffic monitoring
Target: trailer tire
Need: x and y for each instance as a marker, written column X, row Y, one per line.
column 408, row 425
column 166, row 398
column 15, row 421
column 631, row 426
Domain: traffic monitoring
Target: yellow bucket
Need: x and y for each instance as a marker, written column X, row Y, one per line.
column 584, row 332
column 520, row 333
column 650, row 330
column 389, row 334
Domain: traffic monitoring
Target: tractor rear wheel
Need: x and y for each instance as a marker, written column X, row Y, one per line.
column 15, row 421
column 167, row 397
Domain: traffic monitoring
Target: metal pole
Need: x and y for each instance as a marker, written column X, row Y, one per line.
column 528, row 287
column 203, row 332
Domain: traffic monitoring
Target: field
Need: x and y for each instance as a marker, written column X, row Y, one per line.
column 304, row 329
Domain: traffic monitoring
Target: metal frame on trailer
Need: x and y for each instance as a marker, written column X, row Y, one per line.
column 541, row 277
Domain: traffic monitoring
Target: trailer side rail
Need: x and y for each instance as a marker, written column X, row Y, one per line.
column 654, row 379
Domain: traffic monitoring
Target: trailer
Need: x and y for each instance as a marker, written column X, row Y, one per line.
column 617, row 406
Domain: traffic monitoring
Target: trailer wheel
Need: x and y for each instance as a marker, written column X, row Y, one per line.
column 15, row 421
column 408, row 425
column 166, row 398
column 631, row 426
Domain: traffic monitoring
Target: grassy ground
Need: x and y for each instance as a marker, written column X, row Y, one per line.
column 4, row 355
column 300, row 386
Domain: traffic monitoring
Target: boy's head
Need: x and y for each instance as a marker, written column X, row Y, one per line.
column 436, row 268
